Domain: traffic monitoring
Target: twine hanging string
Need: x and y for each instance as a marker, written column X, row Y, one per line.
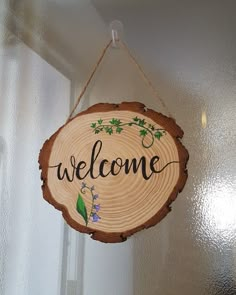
column 135, row 62
column 145, row 77
column 90, row 78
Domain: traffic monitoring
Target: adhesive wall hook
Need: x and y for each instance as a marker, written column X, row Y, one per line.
column 116, row 29
column 115, row 38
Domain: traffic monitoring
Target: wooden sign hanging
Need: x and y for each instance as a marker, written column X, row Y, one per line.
column 114, row 169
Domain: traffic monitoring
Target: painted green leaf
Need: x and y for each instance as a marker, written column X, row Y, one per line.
column 115, row 122
column 143, row 132
column 118, row 122
column 112, row 121
column 119, row 129
column 158, row 135
column 81, row 208
column 109, row 130
column 97, row 131
column 141, row 122
column 100, row 121
column 135, row 119
column 93, row 125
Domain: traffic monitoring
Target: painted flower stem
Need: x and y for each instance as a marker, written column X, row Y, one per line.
column 93, row 199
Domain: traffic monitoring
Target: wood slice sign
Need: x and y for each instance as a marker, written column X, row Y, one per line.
column 114, row 169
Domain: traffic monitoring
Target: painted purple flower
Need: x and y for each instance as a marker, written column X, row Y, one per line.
column 96, row 207
column 95, row 217
column 83, row 185
column 95, row 197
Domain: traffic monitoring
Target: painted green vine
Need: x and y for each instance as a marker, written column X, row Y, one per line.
column 117, row 126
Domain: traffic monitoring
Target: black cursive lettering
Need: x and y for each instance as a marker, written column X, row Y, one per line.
column 128, row 165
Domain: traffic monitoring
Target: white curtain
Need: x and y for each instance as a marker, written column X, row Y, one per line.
column 34, row 102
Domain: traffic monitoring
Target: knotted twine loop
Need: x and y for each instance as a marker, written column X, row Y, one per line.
column 135, row 62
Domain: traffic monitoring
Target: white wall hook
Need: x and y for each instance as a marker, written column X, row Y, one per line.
column 116, row 29
column 115, row 38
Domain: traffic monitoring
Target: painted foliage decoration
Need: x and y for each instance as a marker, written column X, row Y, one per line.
column 114, row 169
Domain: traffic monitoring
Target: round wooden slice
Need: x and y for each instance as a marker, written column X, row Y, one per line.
column 114, row 169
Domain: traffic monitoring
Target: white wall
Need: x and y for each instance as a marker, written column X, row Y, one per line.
column 188, row 50
column 34, row 102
